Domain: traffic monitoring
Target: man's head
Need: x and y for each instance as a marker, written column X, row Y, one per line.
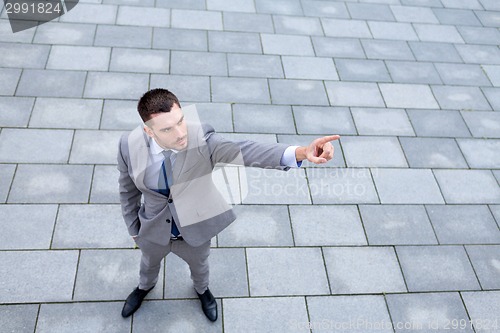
column 163, row 118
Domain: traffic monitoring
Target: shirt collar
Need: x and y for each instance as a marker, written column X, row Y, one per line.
column 156, row 149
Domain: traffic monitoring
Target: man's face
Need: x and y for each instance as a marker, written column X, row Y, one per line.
column 168, row 129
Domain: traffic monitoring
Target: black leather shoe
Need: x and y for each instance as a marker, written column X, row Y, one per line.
column 208, row 304
column 134, row 301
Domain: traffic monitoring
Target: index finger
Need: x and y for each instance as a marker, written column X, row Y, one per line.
column 328, row 138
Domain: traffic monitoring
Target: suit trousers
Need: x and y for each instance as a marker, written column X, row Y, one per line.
column 153, row 254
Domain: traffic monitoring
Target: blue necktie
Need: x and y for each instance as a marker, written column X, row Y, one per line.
column 163, row 184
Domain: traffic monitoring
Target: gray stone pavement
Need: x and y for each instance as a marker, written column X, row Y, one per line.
column 400, row 233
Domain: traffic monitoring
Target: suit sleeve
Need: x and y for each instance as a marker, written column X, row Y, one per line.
column 254, row 154
column 130, row 196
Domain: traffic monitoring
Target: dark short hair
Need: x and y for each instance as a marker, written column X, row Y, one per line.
column 156, row 101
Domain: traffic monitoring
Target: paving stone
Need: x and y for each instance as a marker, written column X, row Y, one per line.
column 6, row 174
column 435, row 52
column 424, row 3
column 263, row 118
column 174, row 316
column 483, row 124
column 248, row 22
column 479, row 54
column 325, row 9
column 285, row 7
column 437, row 33
column 55, row 145
column 481, row 153
column 65, row 33
column 51, row 184
column 305, row 140
column 103, row 190
column 234, row 6
column 272, row 272
column 196, row 19
column 371, row 121
column 468, row 186
column 110, row 35
column 341, row 186
column 91, row 13
column 246, row 230
column 148, row 3
column 287, row 45
column 250, row 65
column 483, row 307
column 90, row 226
column 414, row 14
column 79, row 58
column 464, row 224
column 23, row 55
column 276, row 187
column 298, row 92
column 360, row 270
column 484, row 259
column 489, row 19
column 479, row 35
column 95, row 147
column 490, row 4
column 21, row 231
column 346, row 28
column 186, row 88
column 15, row 111
column 392, row 31
column 493, row 96
column 149, row 17
column 460, row 98
column 327, row 225
column 436, row 268
column 19, row 318
column 240, row 90
column 410, row 186
column 6, row 35
column 151, row 61
column 465, row 4
column 110, row 275
column 239, row 42
column 354, row 94
column 408, row 96
column 397, row 225
column 294, row 25
column 372, row 151
column 362, row 70
column 429, row 123
column 359, row 313
column 182, row 4
column 323, row 120
column 309, row 68
column 430, row 312
column 493, row 73
column 179, row 39
column 198, row 63
column 337, row 47
column 37, row 276
column 368, row 11
column 120, row 115
column 390, row 49
column 82, row 317
column 276, row 314
column 433, row 153
column 115, row 85
column 413, row 72
column 465, row 75
column 8, row 80
column 76, row 113
column 456, row 17
column 218, row 115
column 55, row 83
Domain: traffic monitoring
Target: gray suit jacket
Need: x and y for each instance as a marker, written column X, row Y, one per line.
column 194, row 201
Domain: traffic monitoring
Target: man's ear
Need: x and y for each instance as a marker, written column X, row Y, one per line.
column 148, row 131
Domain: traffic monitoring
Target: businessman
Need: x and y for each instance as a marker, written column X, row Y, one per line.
column 168, row 199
